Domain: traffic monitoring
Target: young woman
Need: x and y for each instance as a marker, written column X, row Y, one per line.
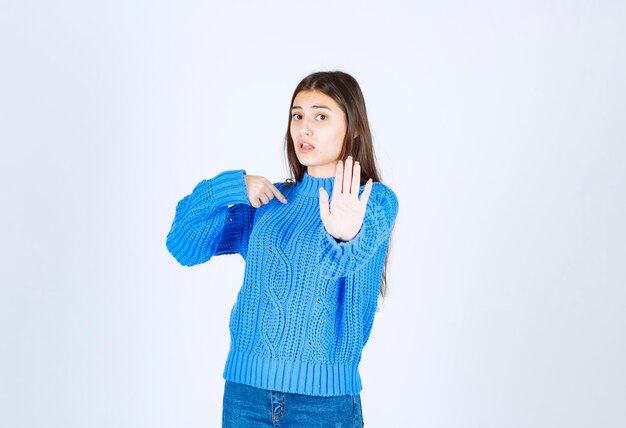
column 315, row 254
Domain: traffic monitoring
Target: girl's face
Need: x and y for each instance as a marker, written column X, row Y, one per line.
column 318, row 126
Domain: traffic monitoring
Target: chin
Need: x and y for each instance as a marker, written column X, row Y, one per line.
column 304, row 161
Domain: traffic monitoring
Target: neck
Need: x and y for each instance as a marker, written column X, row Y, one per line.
column 322, row 171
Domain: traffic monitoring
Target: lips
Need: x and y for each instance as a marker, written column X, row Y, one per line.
column 305, row 146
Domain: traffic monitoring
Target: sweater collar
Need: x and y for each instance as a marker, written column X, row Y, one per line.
column 311, row 185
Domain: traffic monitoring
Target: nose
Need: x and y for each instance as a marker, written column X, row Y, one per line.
column 305, row 127
column 305, row 130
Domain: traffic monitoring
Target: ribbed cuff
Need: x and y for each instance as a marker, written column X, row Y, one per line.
column 296, row 377
column 229, row 188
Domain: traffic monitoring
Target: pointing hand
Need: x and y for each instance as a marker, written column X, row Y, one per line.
column 261, row 190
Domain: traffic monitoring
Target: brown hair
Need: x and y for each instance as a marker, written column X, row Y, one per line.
column 345, row 90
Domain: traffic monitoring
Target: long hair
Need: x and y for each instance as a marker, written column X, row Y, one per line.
column 346, row 92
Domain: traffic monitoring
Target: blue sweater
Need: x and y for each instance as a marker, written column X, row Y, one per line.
column 307, row 303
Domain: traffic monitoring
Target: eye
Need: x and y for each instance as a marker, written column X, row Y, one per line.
column 295, row 116
column 322, row 115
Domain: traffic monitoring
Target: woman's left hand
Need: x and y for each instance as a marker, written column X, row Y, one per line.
column 343, row 217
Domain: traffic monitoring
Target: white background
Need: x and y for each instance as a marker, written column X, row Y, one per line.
column 500, row 125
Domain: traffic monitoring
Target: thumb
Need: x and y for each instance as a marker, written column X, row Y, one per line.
column 324, row 211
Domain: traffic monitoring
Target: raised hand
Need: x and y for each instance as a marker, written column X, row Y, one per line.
column 344, row 215
column 261, row 190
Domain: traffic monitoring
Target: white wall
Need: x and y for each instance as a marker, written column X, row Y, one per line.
column 500, row 125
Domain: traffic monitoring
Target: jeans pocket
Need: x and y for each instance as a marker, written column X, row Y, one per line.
column 357, row 411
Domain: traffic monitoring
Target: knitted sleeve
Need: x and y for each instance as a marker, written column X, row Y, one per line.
column 338, row 259
column 216, row 218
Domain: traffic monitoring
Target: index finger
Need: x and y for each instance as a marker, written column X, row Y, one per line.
column 337, row 186
column 356, row 179
column 279, row 195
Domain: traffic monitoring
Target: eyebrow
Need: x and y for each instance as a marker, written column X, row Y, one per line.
column 326, row 107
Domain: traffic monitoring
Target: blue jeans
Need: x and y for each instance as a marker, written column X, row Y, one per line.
column 249, row 407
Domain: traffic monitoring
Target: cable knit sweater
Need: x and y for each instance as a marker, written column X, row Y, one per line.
column 307, row 303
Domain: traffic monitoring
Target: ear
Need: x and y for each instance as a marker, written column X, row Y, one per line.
column 356, row 134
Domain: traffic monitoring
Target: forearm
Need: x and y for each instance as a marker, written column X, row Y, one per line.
column 202, row 218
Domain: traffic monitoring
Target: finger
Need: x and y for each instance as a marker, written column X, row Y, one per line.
column 263, row 198
column 347, row 175
column 269, row 194
column 366, row 191
column 356, row 179
column 324, row 210
column 279, row 195
column 338, row 179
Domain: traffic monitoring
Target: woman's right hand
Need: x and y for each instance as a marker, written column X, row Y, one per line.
column 261, row 190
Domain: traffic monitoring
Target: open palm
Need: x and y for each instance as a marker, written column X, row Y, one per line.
column 344, row 215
